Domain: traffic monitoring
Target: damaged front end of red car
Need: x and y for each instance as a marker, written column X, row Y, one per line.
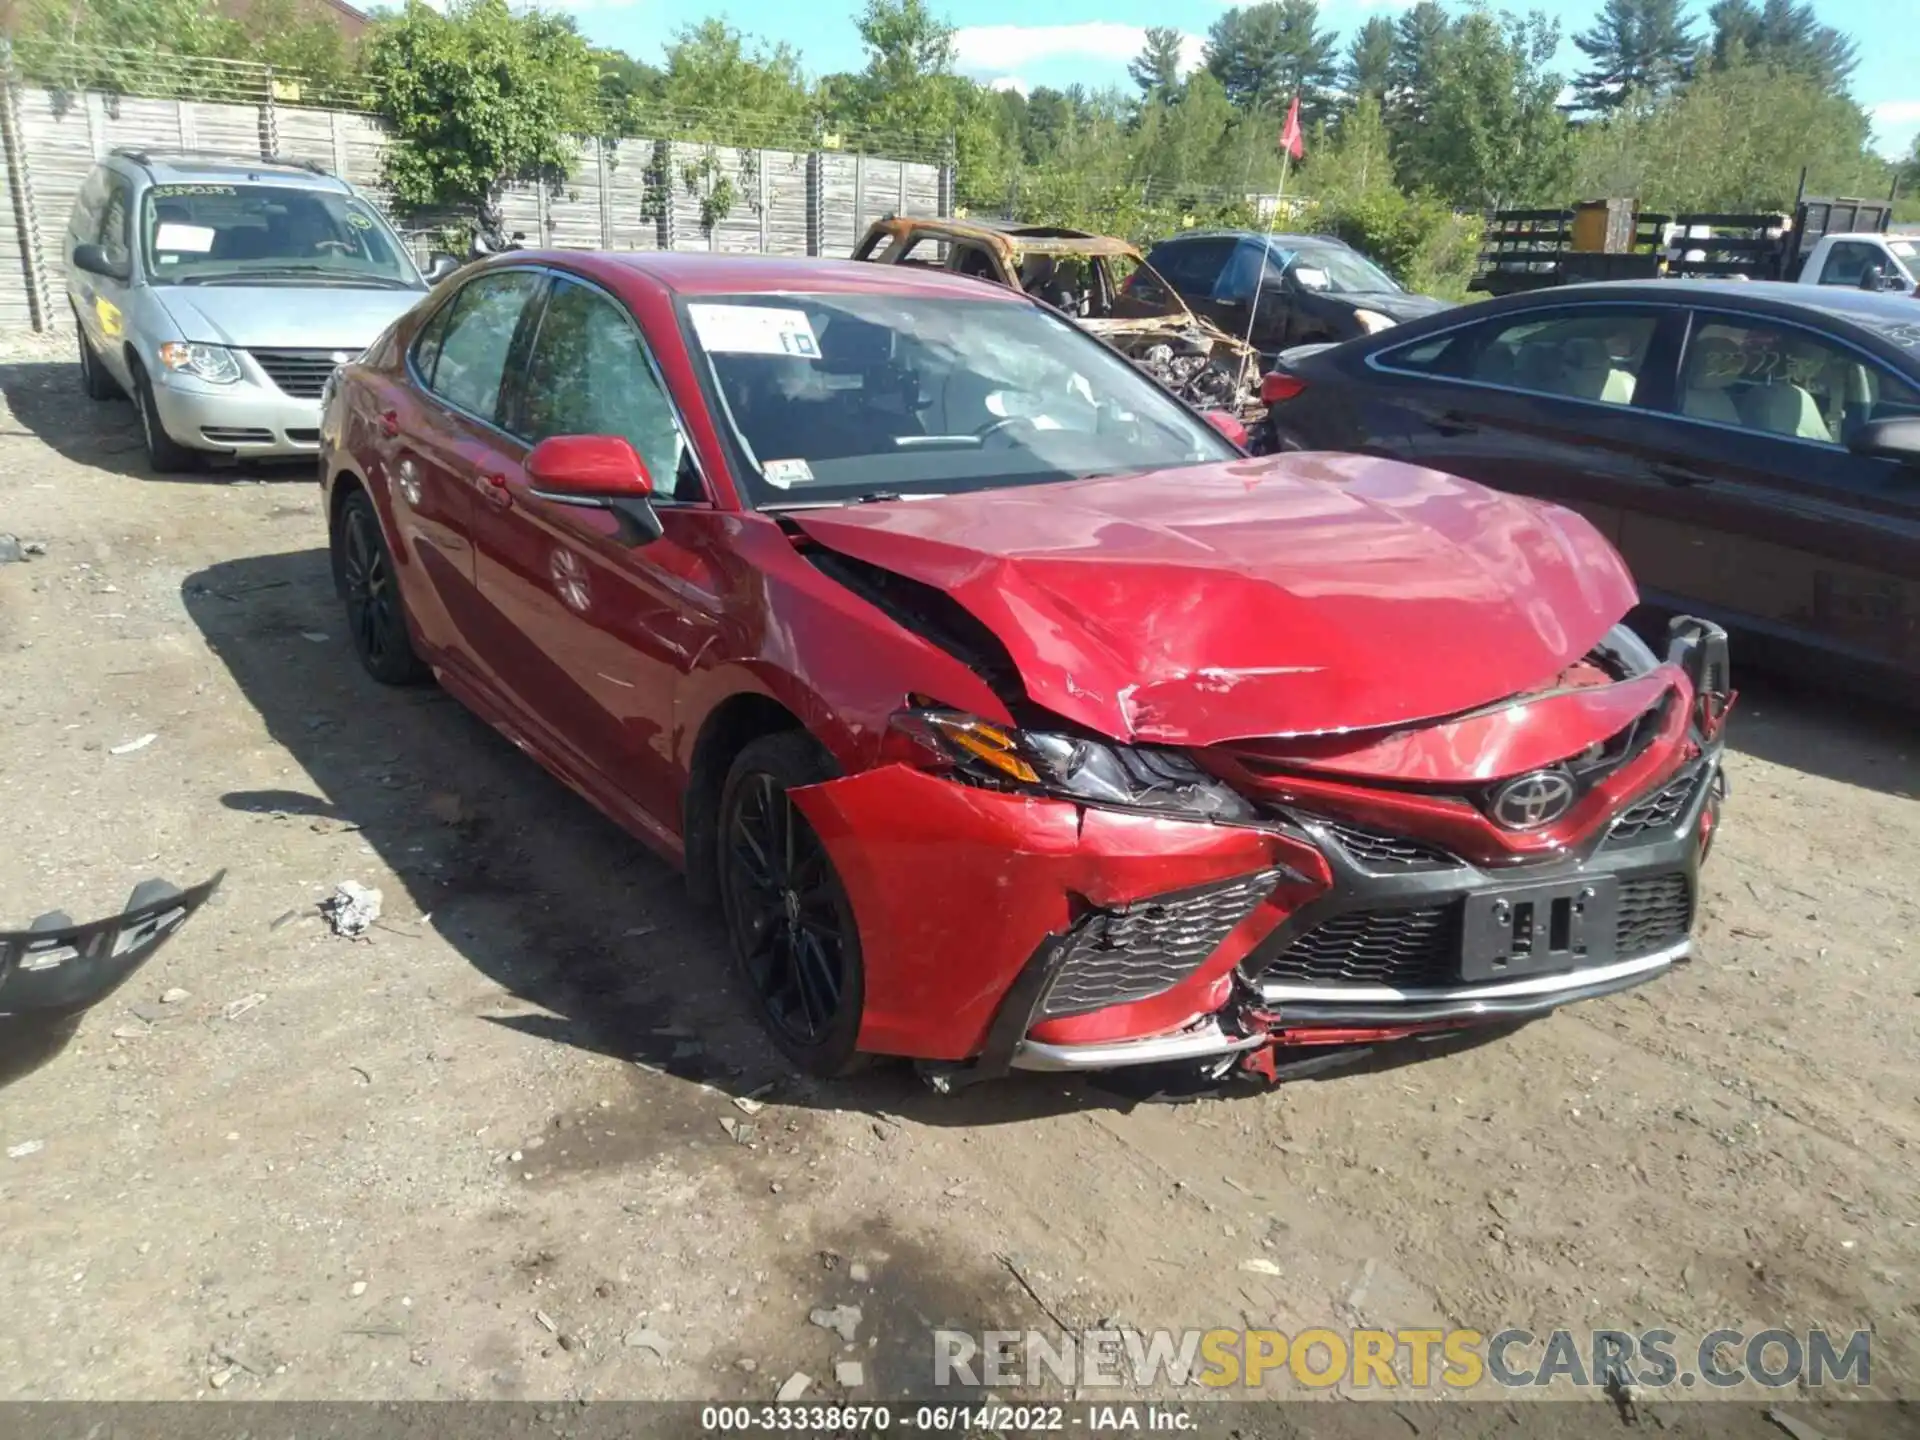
column 1033, row 900
column 1299, row 756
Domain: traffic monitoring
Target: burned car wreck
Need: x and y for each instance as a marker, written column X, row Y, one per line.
column 1100, row 282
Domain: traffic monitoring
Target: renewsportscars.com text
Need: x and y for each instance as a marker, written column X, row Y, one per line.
column 1414, row 1359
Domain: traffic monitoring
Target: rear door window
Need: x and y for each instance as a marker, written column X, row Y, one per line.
column 471, row 354
column 1193, row 266
column 1593, row 353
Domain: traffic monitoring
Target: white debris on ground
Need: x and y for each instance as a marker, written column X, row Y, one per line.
column 351, row 909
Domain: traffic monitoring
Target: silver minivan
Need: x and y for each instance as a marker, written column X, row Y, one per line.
column 220, row 292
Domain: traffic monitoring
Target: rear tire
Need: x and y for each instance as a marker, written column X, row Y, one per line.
column 94, row 378
column 790, row 926
column 369, row 585
column 165, row 455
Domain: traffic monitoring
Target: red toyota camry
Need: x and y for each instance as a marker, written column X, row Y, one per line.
column 1014, row 717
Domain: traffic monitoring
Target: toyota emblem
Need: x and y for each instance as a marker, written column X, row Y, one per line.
column 1532, row 800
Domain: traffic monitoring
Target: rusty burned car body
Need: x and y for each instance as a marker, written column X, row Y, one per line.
column 1102, row 283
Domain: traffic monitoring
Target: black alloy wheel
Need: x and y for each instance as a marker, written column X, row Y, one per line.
column 363, row 570
column 795, row 945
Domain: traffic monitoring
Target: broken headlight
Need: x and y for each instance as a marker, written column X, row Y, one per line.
column 1071, row 767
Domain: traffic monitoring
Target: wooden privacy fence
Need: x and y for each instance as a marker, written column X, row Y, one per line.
column 633, row 194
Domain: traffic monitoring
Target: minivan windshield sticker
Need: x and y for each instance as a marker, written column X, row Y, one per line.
column 163, row 191
column 754, row 330
column 187, row 239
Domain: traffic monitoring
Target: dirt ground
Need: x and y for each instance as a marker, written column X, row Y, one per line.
column 493, row 1150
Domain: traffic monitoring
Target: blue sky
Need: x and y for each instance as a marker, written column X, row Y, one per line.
column 1090, row 41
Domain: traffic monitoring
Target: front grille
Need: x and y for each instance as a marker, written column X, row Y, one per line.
column 236, row 435
column 299, row 373
column 1115, row 956
column 1656, row 911
column 303, row 437
column 1656, row 816
column 1397, row 852
column 1375, row 947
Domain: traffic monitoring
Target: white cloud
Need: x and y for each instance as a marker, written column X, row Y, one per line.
column 999, row 49
column 1895, row 123
column 1009, row 82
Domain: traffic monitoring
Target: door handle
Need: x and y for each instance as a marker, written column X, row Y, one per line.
column 390, row 423
column 1681, row 474
column 493, row 489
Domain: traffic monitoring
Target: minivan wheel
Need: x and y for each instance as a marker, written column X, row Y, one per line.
column 165, row 455
column 790, row 926
column 376, row 617
column 94, row 378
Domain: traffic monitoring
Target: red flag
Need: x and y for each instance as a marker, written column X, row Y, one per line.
column 1291, row 139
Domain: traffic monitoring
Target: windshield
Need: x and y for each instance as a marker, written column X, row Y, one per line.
column 840, row 397
column 1338, row 272
column 269, row 235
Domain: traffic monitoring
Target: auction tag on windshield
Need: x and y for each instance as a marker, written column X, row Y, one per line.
column 185, row 239
column 787, row 473
column 1311, row 278
column 755, row 330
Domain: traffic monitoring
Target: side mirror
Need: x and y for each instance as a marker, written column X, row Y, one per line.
column 441, row 264
column 1228, row 425
column 1895, row 438
column 597, row 472
column 93, row 260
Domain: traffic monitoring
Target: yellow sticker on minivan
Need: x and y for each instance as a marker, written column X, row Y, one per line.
column 112, row 322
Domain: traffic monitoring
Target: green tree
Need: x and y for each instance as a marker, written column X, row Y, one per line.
column 1156, row 69
column 721, row 80
column 1733, row 140
column 1419, row 38
column 478, row 98
column 1263, row 55
column 1493, row 135
column 1636, row 47
column 1785, row 34
column 1368, row 68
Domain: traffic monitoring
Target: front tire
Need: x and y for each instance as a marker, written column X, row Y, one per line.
column 790, row 926
column 94, row 378
column 369, row 586
column 165, row 455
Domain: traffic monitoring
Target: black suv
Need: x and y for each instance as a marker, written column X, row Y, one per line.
column 1311, row 287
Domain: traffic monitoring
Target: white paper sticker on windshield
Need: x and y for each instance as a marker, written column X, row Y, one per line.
column 787, row 473
column 189, row 239
column 754, row 330
column 1311, row 278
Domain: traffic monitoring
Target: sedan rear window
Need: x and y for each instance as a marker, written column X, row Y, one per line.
column 836, row 396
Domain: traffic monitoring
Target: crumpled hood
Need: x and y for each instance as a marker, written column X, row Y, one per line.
column 1296, row 594
column 285, row 317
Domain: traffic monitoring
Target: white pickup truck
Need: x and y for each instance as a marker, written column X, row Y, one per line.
column 1847, row 260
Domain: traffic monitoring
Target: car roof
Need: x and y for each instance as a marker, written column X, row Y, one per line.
column 1278, row 237
column 174, row 167
column 704, row 274
column 1011, row 237
column 1838, row 300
